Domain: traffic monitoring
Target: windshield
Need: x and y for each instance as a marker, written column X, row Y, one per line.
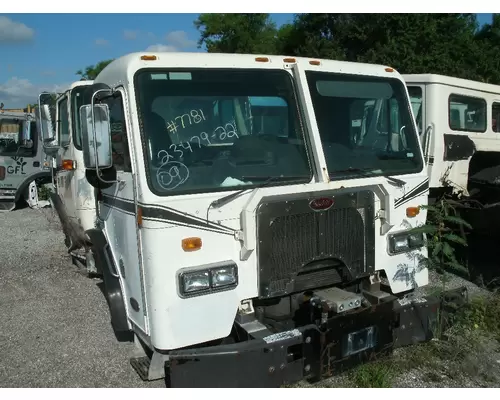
column 214, row 129
column 77, row 100
column 365, row 124
column 10, row 135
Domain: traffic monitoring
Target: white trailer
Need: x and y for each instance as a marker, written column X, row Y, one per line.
column 22, row 161
column 254, row 214
column 458, row 125
column 73, row 197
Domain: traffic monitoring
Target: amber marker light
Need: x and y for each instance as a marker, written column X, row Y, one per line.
column 68, row 165
column 412, row 212
column 191, row 244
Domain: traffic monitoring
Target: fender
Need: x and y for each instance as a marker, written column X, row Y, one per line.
column 30, row 178
column 112, row 290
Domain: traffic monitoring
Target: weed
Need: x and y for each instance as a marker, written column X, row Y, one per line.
column 43, row 192
column 377, row 374
column 443, row 231
column 482, row 313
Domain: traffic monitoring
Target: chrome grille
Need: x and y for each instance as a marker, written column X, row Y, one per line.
column 301, row 249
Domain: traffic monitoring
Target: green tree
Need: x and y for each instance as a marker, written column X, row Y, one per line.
column 411, row 43
column 237, row 33
column 90, row 72
column 488, row 41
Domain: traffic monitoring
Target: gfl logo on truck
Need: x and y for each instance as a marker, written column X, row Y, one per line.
column 18, row 168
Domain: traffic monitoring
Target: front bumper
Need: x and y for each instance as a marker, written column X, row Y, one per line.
column 310, row 352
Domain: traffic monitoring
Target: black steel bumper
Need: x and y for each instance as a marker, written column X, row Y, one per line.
column 312, row 353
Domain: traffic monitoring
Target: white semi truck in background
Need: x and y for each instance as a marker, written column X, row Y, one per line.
column 73, row 197
column 23, row 163
column 459, row 126
column 254, row 214
column 458, row 122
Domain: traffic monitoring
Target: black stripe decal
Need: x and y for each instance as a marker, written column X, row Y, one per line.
column 159, row 214
column 187, row 226
column 411, row 192
column 185, row 218
column 417, row 191
column 119, row 204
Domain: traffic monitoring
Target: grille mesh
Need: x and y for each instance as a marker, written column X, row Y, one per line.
column 291, row 243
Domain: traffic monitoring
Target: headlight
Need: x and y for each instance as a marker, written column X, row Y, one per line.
column 195, row 282
column 405, row 241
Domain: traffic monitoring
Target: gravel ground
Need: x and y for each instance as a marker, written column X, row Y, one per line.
column 55, row 329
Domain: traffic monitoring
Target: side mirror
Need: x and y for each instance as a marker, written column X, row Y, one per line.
column 96, row 136
column 46, row 116
column 26, row 135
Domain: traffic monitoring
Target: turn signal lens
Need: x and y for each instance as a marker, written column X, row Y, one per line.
column 191, row 244
column 412, row 212
column 68, row 165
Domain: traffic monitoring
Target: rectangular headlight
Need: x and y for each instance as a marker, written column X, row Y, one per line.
column 405, row 241
column 213, row 278
column 195, row 281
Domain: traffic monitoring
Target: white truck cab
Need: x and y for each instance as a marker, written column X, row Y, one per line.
column 460, row 133
column 73, row 197
column 254, row 214
column 22, row 160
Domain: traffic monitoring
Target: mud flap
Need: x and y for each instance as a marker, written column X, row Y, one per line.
column 112, row 287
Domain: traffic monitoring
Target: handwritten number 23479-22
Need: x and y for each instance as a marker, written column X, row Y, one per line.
column 227, row 131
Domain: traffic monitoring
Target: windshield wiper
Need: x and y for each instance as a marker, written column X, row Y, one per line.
column 366, row 172
column 395, row 181
column 268, row 179
column 356, row 171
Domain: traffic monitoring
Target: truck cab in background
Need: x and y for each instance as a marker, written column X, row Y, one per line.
column 23, row 163
column 458, row 125
column 73, row 197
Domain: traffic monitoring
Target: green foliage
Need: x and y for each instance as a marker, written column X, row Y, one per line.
column 43, row 192
column 448, row 44
column 377, row 374
column 237, row 33
column 90, row 72
column 444, row 230
column 483, row 313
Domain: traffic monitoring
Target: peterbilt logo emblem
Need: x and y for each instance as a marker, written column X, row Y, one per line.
column 321, row 204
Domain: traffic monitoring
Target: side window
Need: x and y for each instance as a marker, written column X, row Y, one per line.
column 495, row 117
column 415, row 93
column 467, row 113
column 119, row 140
column 63, row 122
